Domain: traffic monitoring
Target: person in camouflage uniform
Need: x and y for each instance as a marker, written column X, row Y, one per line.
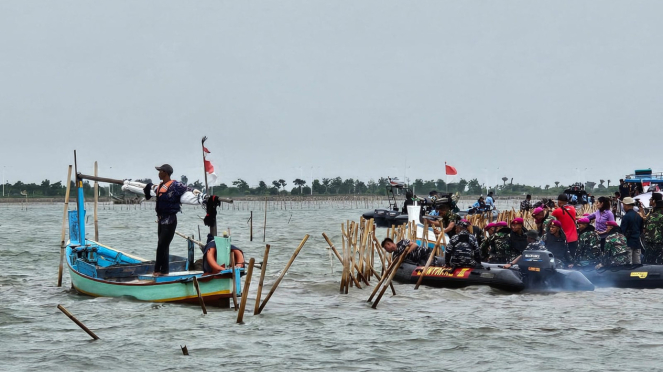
column 485, row 244
column 542, row 218
column 555, row 242
column 589, row 244
column 653, row 233
column 500, row 251
column 447, row 218
column 615, row 251
column 526, row 205
column 463, row 249
column 415, row 254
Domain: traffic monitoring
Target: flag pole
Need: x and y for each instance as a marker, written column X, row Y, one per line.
column 204, row 167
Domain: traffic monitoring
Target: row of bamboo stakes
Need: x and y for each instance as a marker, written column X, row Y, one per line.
column 481, row 220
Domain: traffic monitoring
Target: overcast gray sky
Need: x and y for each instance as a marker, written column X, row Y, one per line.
column 541, row 91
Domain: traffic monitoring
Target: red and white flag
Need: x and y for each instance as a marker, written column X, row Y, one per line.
column 209, row 169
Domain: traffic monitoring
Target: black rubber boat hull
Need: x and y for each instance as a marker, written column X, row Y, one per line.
column 630, row 276
column 386, row 217
column 503, row 279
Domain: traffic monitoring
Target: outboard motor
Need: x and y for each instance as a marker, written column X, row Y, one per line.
column 537, row 267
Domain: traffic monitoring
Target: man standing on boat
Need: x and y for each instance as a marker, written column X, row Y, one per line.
column 168, row 195
column 632, row 226
column 653, row 234
column 566, row 214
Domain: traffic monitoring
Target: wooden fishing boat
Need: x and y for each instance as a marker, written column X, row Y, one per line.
column 101, row 271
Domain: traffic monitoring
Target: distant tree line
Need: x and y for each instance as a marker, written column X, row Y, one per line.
column 324, row 186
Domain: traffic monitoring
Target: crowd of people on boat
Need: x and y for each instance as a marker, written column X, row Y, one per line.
column 593, row 240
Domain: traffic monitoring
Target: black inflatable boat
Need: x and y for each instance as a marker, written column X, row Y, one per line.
column 628, row 276
column 535, row 272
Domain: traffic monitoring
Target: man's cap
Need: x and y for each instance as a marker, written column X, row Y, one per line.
column 490, row 225
column 557, row 223
column 532, row 234
column 656, row 196
column 584, row 220
column 628, row 200
column 611, row 223
column 464, row 223
column 502, row 224
column 517, row 220
column 537, row 211
column 562, row 197
column 166, row 168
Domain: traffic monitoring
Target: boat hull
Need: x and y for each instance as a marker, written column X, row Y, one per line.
column 631, row 276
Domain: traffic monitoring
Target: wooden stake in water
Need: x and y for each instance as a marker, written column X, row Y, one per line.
column 64, row 226
column 96, row 203
column 200, row 296
column 432, row 254
column 285, row 270
column 263, row 268
column 78, row 322
column 394, row 269
column 232, row 271
column 245, row 292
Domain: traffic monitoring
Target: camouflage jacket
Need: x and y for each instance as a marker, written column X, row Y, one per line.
column 485, row 247
column 616, row 252
column 500, row 247
column 589, row 248
column 525, row 205
column 448, row 218
column 536, row 246
column 417, row 255
column 653, row 233
column 544, row 227
column 463, row 250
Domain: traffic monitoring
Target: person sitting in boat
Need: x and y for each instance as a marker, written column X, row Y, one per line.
column 448, row 218
column 615, row 252
column 518, row 237
column 409, row 200
column 210, row 265
column 480, row 205
column 555, row 242
column 499, row 251
column 542, row 219
column 485, row 245
column 589, row 244
column 463, row 249
column 533, row 244
column 414, row 252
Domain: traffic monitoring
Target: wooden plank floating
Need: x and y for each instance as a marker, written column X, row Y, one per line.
column 78, row 322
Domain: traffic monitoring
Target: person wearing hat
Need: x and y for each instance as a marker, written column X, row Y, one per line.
column 615, row 252
column 499, row 251
column 555, row 242
column 447, row 218
column 632, row 226
column 589, row 244
column 533, row 244
column 517, row 237
column 485, row 245
column 566, row 214
column 542, row 220
column 168, row 194
column 463, row 249
column 653, row 231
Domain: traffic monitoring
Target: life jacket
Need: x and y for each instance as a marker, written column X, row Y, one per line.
column 167, row 203
column 212, row 244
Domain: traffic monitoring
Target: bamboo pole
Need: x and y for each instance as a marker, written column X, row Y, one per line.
column 340, row 258
column 64, row 226
column 245, row 292
column 251, row 228
column 200, row 296
column 285, row 270
column 394, row 270
column 432, row 255
column 96, row 203
column 263, row 268
column 78, row 322
column 234, row 278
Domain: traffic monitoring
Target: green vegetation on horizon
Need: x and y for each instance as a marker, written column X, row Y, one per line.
column 325, row 186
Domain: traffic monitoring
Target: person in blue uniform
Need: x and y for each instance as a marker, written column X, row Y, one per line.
column 168, row 195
